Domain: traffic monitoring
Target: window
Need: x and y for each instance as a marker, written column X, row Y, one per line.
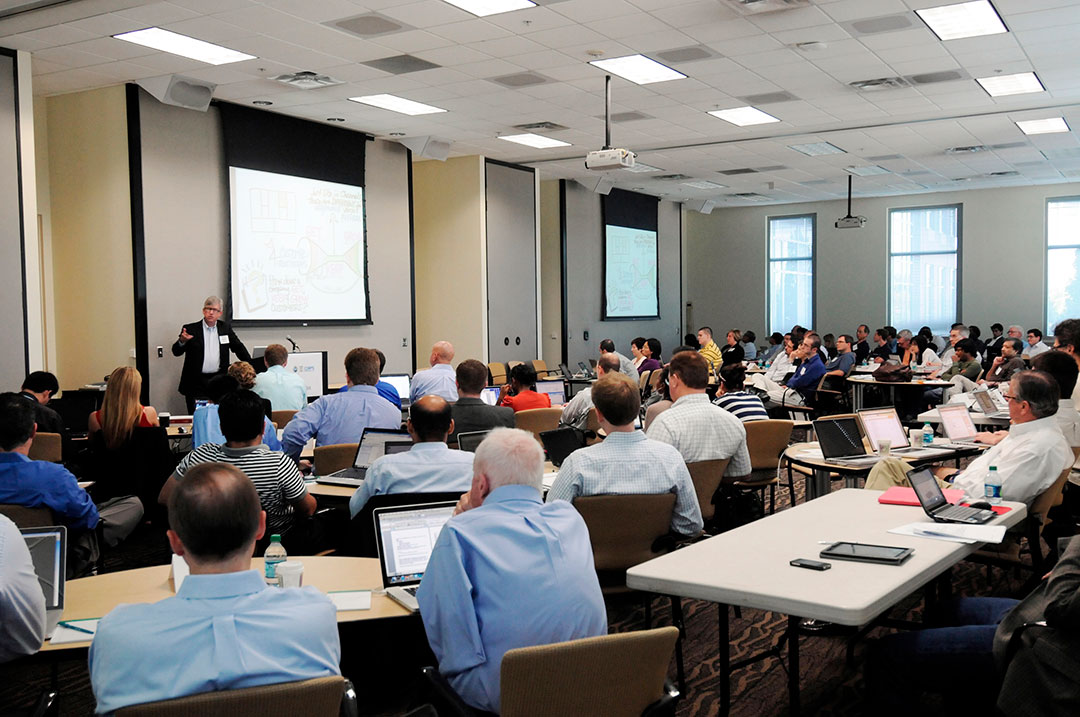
column 791, row 272
column 923, row 248
column 1062, row 260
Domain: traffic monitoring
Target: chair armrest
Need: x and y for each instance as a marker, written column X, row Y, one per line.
column 665, row 706
column 446, row 700
column 349, row 706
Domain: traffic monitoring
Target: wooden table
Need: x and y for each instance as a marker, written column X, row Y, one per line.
column 95, row 596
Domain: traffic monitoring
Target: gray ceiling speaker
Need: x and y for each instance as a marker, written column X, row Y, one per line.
column 705, row 206
column 180, row 91
column 600, row 185
column 428, row 146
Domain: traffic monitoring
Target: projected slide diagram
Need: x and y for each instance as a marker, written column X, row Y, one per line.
column 297, row 248
column 630, row 266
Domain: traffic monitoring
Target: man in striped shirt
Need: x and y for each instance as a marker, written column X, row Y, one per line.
column 733, row 397
column 277, row 480
column 709, row 350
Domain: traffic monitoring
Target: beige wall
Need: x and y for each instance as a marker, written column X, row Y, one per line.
column 450, row 239
column 550, row 274
column 91, row 234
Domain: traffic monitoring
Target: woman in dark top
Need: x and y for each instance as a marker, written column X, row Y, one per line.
column 651, row 352
column 733, row 352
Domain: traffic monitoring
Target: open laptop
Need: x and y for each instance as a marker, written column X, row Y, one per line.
column 555, row 389
column 560, row 443
column 937, row 507
column 471, row 441
column 989, row 406
column 406, row 536
column 959, row 428
column 48, row 552
column 883, row 424
column 841, row 442
column 586, row 372
column 402, row 383
column 374, row 443
column 490, row 395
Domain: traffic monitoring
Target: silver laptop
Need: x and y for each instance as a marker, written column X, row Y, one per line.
column 401, row 383
column 555, row 389
column 989, row 406
column 48, row 551
column 374, row 443
column 490, row 395
column 958, row 426
column 883, row 424
column 406, row 535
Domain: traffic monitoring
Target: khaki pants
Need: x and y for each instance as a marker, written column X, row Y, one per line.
column 889, row 472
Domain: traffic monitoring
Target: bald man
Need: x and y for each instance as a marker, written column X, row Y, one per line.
column 440, row 378
column 428, row 467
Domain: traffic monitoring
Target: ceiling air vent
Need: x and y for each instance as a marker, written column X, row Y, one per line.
column 521, row 79
column 750, row 196
column 307, row 80
column 758, row 7
column 972, row 149
column 879, row 84
column 672, row 177
column 733, row 172
column 540, row 127
column 369, row 25
column 1006, row 173
column 400, row 64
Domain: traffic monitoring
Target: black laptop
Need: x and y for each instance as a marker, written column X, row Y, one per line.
column 841, row 442
column 560, row 443
column 933, row 501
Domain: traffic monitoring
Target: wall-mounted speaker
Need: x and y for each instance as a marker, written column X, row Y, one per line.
column 429, row 146
column 180, row 91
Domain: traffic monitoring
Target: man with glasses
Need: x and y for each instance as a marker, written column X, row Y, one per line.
column 205, row 346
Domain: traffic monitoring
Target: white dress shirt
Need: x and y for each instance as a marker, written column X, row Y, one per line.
column 780, row 367
column 1033, row 351
column 430, row 467
column 703, row 432
column 211, row 362
column 1068, row 420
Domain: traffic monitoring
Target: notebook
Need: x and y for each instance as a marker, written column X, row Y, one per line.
column 406, row 535
column 374, row 443
column 48, row 552
column 937, row 507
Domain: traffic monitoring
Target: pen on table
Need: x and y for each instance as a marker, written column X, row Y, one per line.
column 76, row 628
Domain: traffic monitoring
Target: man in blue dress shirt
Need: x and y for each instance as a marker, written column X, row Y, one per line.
column 428, row 467
column 226, row 629
column 440, row 378
column 508, row 571
column 284, row 389
column 342, row 417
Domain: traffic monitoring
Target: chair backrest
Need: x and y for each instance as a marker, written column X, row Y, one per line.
column 538, row 420
column 540, row 366
column 592, row 423
column 1049, row 498
column 643, row 379
column 608, row 676
column 707, row 477
column 140, row 466
column 333, row 458
column 766, row 440
column 511, row 364
column 320, row 696
column 280, row 419
column 46, row 447
column 25, row 517
column 498, row 373
column 623, row 528
column 362, row 542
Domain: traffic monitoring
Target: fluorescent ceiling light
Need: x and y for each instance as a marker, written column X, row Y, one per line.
column 816, row 149
column 743, row 116
column 484, row 8
column 867, row 171
column 967, row 19
column 1018, row 84
column 535, row 140
column 639, row 69
column 397, row 104
column 1043, row 126
column 176, row 44
column 642, row 167
column 704, row 184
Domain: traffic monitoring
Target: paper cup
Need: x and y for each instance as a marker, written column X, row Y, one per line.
column 884, row 447
column 291, row 573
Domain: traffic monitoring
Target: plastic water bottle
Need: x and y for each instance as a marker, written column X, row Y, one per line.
column 992, row 487
column 927, row 434
column 274, row 554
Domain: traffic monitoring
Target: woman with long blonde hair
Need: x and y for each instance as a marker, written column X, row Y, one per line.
column 121, row 411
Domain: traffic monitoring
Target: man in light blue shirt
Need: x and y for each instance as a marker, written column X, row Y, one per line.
column 283, row 388
column 506, row 572
column 225, row 629
column 342, row 417
column 428, row 467
column 614, row 466
column 440, row 379
column 22, row 603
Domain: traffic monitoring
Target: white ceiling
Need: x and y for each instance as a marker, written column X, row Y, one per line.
column 905, row 130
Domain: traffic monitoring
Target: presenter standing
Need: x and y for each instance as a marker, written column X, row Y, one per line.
column 205, row 346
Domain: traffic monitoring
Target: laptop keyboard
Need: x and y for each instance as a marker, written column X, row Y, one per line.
column 412, row 590
column 960, row 512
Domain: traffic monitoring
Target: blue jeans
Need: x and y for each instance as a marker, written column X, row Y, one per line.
column 953, row 659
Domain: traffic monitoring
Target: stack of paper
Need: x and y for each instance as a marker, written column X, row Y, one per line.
column 954, row 532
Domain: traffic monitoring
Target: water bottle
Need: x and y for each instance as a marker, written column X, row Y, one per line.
column 992, row 487
column 927, row 435
column 274, row 554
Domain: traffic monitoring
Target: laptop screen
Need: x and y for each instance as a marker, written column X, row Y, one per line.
column 406, row 538
column 957, row 422
column 490, row 395
column 883, row 424
column 560, row 443
column 400, row 382
column 373, row 444
column 392, row 447
column 839, row 437
column 927, row 489
column 985, row 401
column 554, row 389
column 47, row 551
column 471, row 441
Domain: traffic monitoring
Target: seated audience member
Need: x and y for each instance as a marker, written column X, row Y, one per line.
column 1061, row 367
column 283, row 388
column 636, row 355
column 920, row 353
column 881, row 353
column 733, row 351
column 1016, row 331
column 1067, row 339
column 971, row 644
column 659, row 400
column 120, row 410
column 40, row 387
column 1028, row 460
column 428, row 467
column 957, row 333
column 803, row 383
column 980, row 346
column 861, row 348
column 733, row 397
column 709, row 350
column 1005, row 365
column 626, row 366
column 653, row 359
column 22, row 602
column 470, row 413
column 776, row 344
column 993, row 346
column 750, row 352
column 508, row 571
column 277, row 480
column 781, row 365
column 439, row 379
column 342, row 417
column 225, row 629
column 1035, row 345
column 520, row 394
column 613, row 466
column 828, row 347
column 244, row 374
column 691, row 342
column 386, row 389
column 42, row 484
column 839, row 367
column 576, row 411
column 699, row 430
column 206, row 423
column 965, row 365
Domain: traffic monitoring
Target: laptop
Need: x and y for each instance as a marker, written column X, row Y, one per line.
column 883, row 424
column 471, row 441
column 560, row 443
column 490, row 395
column 841, row 442
column 989, row 406
column 406, row 536
column 555, row 389
column 565, row 371
column 959, row 428
column 402, row 383
column 48, row 552
column 374, row 443
column 586, row 372
column 937, row 507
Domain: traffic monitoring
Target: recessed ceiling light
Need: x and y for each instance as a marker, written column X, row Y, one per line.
column 867, row 170
column 1043, row 126
column 816, row 149
column 639, row 69
column 262, row 103
column 176, row 44
column 642, row 167
column 704, row 184
column 482, row 8
column 397, row 104
column 1018, row 84
column 535, row 140
column 743, row 116
column 967, row 19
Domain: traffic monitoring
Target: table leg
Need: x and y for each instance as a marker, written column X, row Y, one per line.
column 725, row 660
column 793, row 664
column 817, row 484
column 856, row 396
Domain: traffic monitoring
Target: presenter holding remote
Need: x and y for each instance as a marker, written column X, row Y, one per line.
column 205, row 346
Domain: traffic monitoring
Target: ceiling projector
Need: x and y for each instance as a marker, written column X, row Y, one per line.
column 603, row 159
column 850, row 222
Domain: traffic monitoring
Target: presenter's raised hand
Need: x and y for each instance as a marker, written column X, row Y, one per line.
column 185, row 336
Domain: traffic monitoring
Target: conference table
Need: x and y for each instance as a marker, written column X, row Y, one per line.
column 978, row 418
column 748, row 567
column 860, row 381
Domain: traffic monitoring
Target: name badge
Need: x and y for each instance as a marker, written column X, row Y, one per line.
column 223, row 340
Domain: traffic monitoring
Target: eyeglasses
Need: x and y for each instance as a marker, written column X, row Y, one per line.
column 1010, row 397
column 211, row 309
